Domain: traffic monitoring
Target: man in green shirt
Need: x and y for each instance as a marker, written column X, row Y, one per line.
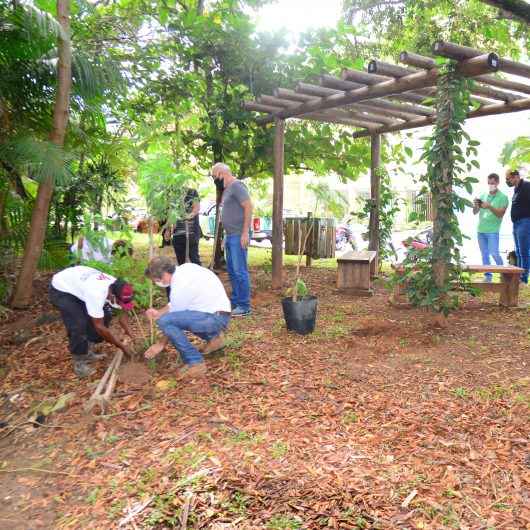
column 490, row 207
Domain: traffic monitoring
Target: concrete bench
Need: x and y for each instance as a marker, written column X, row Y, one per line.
column 508, row 288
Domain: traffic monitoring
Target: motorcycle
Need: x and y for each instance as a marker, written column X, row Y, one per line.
column 419, row 241
column 343, row 237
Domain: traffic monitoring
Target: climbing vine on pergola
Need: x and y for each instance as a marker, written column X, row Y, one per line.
column 391, row 98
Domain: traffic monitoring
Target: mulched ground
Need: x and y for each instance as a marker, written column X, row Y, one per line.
column 377, row 420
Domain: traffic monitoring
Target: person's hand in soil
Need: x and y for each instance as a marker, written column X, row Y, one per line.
column 155, row 349
column 127, row 350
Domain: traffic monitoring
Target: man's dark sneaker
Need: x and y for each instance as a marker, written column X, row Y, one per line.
column 240, row 312
column 81, row 367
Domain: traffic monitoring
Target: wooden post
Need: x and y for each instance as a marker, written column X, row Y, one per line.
column 309, row 245
column 277, row 205
column 375, row 180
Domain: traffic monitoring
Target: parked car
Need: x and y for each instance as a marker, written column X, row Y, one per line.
column 261, row 227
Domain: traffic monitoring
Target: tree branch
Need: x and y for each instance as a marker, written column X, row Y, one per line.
column 512, row 8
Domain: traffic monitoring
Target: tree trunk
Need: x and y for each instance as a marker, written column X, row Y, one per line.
column 39, row 217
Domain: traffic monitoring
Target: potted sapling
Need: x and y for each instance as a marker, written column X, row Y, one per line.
column 300, row 308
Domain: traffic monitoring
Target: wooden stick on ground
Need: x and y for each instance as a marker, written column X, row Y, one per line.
column 102, row 395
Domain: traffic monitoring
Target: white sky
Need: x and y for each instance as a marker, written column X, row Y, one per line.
column 297, row 16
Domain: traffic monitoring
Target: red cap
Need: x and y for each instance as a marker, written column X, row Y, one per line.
column 125, row 295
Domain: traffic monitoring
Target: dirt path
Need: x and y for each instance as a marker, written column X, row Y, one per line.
column 377, row 420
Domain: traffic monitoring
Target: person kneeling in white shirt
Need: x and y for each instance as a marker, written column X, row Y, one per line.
column 198, row 303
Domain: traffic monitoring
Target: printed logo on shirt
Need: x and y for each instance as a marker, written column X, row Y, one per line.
column 99, row 276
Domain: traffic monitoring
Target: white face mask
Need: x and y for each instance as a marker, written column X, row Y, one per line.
column 114, row 304
column 162, row 284
column 493, row 188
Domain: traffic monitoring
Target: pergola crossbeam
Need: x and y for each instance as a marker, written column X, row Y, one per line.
column 427, row 63
column 460, row 53
column 478, row 90
column 385, row 99
column 489, row 110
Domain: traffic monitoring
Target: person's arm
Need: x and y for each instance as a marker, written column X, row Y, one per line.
column 247, row 219
column 155, row 314
column 123, row 320
column 195, row 209
column 105, row 332
column 499, row 212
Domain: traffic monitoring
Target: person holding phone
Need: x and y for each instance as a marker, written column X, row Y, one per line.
column 490, row 208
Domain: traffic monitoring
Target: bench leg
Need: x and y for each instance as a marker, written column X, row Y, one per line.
column 510, row 290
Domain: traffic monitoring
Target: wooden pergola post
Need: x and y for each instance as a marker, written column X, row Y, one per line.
column 277, row 205
column 375, row 180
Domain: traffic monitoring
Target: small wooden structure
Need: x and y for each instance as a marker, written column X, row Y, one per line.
column 387, row 98
column 356, row 270
column 321, row 241
column 508, row 288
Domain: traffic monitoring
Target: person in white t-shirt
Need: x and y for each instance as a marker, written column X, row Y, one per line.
column 85, row 298
column 104, row 251
column 94, row 252
column 198, row 303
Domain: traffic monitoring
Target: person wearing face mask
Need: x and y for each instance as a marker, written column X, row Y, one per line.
column 520, row 214
column 236, row 217
column 85, row 298
column 490, row 207
column 197, row 303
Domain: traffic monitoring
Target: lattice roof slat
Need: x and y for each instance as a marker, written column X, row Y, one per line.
column 390, row 97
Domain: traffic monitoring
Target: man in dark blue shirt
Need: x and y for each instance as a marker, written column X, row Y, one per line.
column 520, row 214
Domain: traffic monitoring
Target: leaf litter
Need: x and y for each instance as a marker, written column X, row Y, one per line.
column 377, row 420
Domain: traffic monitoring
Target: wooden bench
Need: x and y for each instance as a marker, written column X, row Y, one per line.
column 508, row 286
column 355, row 271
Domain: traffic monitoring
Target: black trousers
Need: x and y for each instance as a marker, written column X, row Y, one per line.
column 179, row 244
column 79, row 326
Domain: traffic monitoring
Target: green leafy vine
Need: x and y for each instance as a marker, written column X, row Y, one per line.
column 432, row 275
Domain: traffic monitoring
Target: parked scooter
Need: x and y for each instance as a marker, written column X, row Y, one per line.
column 343, row 237
column 419, row 241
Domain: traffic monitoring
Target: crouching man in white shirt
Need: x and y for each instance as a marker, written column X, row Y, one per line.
column 85, row 298
column 197, row 303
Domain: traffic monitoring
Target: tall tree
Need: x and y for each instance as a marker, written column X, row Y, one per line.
column 39, row 219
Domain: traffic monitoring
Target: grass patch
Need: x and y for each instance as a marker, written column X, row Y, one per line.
column 279, row 449
column 350, row 418
column 284, row 522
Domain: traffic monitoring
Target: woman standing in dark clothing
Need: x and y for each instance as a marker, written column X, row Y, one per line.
column 187, row 230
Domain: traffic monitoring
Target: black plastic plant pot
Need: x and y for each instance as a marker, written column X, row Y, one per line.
column 300, row 316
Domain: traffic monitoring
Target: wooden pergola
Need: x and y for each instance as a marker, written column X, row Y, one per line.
column 385, row 99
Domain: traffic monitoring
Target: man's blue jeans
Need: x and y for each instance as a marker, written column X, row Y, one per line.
column 204, row 325
column 521, row 236
column 489, row 246
column 236, row 263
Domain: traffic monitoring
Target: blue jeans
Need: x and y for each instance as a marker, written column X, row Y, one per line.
column 236, row 263
column 204, row 325
column 489, row 246
column 521, row 236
